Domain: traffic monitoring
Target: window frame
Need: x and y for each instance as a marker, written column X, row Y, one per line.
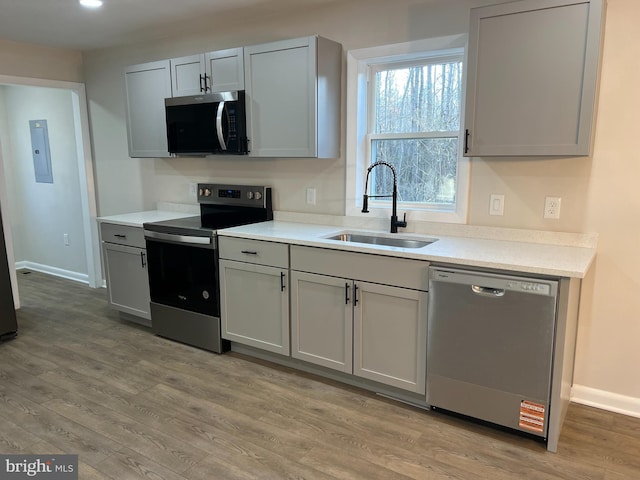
column 359, row 66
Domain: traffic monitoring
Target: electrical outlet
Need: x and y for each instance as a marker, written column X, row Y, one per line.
column 496, row 204
column 66, row 239
column 311, row 196
column 552, row 207
column 193, row 190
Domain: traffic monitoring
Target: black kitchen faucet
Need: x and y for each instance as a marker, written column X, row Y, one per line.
column 395, row 223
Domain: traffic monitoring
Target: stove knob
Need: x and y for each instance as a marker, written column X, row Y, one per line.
column 258, row 195
column 207, row 192
column 250, row 195
column 200, row 192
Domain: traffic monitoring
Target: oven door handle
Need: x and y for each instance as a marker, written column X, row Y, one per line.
column 169, row 237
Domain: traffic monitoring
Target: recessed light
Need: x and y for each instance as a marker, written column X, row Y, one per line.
column 91, row 3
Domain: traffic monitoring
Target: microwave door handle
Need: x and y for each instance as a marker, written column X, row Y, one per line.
column 223, row 145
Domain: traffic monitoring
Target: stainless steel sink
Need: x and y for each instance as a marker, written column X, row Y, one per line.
column 380, row 240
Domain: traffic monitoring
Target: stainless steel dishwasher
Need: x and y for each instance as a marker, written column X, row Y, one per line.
column 490, row 346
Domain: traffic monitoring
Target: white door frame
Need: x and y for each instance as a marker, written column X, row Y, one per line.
column 87, row 183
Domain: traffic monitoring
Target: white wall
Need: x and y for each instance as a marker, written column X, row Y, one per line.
column 42, row 213
column 36, row 61
column 599, row 193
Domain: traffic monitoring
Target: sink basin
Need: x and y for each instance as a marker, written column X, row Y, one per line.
column 380, row 240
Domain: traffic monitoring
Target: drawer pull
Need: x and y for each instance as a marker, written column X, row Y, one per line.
column 119, row 235
column 248, row 252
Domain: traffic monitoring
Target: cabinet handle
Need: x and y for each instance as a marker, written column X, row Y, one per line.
column 248, row 252
column 466, row 140
column 346, row 294
column 203, row 88
column 142, row 259
column 355, row 295
column 282, row 281
column 119, row 235
column 207, row 83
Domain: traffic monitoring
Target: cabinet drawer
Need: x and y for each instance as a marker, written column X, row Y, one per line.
column 399, row 272
column 122, row 235
column 254, row 251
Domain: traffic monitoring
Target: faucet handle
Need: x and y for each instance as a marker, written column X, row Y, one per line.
column 403, row 223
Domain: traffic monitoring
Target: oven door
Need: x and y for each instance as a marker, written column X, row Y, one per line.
column 183, row 272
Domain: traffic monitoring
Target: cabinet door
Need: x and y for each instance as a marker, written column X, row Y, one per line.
column 531, row 77
column 127, row 279
column 254, row 304
column 225, row 69
column 147, row 86
column 322, row 320
column 281, row 98
column 390, row 336
column 188, row 76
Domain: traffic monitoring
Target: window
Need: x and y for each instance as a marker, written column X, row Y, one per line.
column 406, row 111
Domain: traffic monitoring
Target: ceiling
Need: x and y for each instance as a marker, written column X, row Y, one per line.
column 65, row 24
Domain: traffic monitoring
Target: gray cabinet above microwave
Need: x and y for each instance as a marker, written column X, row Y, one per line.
column 148, row 84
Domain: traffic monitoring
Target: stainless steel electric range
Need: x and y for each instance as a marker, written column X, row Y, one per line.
column 182, row 257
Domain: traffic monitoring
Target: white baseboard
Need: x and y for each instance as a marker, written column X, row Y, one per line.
column 606, row 400
column 58, row 272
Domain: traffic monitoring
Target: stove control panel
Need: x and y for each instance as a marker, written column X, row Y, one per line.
column 242, row 195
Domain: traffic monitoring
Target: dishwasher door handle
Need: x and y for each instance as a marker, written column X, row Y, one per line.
column 488, row 291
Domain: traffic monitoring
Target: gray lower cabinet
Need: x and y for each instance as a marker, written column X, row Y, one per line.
column 390, row 336
column 125, row 265
column 344, row 317
column 254, row 294
column 322, row 320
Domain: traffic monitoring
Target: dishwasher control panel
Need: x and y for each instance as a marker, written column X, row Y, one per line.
column 529, row 287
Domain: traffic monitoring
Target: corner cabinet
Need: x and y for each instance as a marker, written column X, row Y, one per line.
column 125, row 263
column 146, row 87
column 293, row 98
column 254, row 294
column 361, row 314
column 219, row 71
column 532, row 76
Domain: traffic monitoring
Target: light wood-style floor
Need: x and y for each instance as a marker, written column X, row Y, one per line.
column 132, row 405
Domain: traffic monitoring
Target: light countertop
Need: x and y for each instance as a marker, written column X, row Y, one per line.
column 136, row 219
column 516, row 256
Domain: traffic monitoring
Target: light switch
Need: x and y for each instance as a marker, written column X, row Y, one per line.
column 496, row 204
column 311, row 196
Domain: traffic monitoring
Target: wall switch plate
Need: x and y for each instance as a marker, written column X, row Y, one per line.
column 496, row 204
column 552, row 207
column 311, row 196
column 66, row 239
column 193, row 190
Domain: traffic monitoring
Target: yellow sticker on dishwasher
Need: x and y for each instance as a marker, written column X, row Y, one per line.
column 532, row 416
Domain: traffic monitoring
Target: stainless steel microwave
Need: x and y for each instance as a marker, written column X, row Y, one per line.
column 213, row 123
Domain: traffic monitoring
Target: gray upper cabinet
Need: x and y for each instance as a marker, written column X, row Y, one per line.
column 293, row 98
column 146, row 87
column 225, row 69
column 532, row 78
column 219, row 71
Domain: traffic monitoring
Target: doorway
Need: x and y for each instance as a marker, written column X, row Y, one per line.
column 86, row 193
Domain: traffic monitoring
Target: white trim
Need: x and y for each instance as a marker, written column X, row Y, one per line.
column 604, row 400
column 357, row 77
column 85, row 165
column 55, row 271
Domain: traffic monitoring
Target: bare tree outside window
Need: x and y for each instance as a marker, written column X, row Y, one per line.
column 414, row 125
